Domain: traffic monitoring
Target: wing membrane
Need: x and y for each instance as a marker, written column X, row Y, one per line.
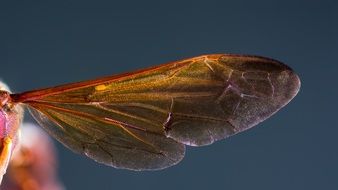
column 139, row 120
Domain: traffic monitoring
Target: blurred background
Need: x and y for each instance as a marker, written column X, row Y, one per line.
column 46, row 43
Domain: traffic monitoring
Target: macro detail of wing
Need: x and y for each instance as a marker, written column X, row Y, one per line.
column 139, row 120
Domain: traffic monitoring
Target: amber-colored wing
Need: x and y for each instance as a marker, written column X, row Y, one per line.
column 142, row 120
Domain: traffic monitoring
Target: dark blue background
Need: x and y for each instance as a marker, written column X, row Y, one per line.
column 45, row 43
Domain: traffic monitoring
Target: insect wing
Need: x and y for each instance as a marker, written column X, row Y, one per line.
column 141, row 120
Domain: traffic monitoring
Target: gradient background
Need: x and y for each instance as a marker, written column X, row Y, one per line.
column 45, row 43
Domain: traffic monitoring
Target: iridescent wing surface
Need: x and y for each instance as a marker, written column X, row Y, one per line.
column 143, row 120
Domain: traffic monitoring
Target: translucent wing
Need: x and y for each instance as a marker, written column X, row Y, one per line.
column 142, row 120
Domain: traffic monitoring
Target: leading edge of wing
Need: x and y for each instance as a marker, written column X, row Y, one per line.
column 39, row 93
